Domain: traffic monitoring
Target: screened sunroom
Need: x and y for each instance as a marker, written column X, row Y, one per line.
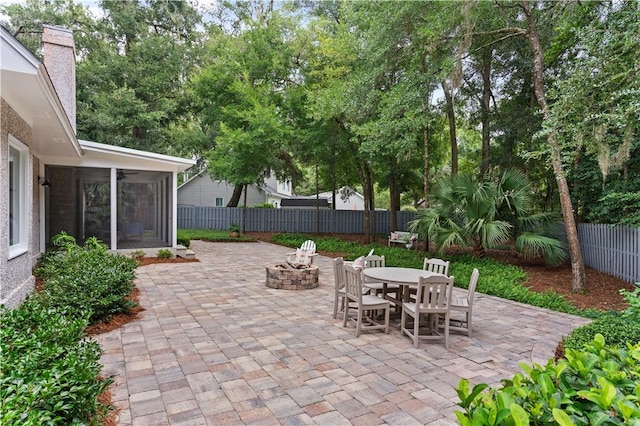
column 125, row 198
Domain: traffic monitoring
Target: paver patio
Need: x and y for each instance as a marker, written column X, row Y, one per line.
column 216, row 346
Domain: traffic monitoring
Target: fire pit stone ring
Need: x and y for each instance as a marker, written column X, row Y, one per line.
column 284, row 276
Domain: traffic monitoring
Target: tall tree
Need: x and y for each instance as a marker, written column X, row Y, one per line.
column 25, row 21
column 579, row 278
column 595, row 107
column 131, row 89
column 241, row 97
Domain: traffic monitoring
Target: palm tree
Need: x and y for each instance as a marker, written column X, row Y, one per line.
column 484, row 214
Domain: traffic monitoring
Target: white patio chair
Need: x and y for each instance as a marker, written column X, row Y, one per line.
column 375, row 261
column 364, row 304
column 339, row 296
column 436, row 265
column 304, row 255
column 464, row 305
column 434, row 300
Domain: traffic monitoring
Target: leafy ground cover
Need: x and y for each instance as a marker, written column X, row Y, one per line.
column 592, row 386
column 49, row 369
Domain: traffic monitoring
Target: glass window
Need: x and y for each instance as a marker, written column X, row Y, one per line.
column 219, row 202
column 18, row 238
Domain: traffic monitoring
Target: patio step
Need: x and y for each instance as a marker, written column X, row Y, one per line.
column 181, row 251
column 189, row 254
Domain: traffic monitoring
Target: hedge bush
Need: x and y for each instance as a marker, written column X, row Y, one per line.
column 595, row 385
column 184, row 240
column 88, row 279
column 49, row 370
column 615, row 329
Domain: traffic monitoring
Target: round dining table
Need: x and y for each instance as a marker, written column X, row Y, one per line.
column 404, row 277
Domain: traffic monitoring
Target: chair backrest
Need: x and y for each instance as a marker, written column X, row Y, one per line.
column 338, row 272
column 373, row 261
column 436, row 265
column 473, row 282
column 353, row 283
column 434, row 293
column 308, row 246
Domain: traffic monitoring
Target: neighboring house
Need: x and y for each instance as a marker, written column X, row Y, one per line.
column 346, row 199
column 53, row 182
column 305, row 203
column 202, row 190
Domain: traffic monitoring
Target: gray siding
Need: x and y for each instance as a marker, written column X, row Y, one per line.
column 202, row 191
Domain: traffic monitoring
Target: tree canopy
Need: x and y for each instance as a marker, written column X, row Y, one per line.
column 387, row 97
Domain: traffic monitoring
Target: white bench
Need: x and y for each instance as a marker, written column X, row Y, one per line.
column 405, row 238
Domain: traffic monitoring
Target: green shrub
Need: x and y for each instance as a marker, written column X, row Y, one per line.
column 618, row 208
column 49, row 370
column 617, row 330
column 212, row 235
column 595, row 385
column 184, row 240
column 137, row 254
column 87, row 280
column 164, row 254
column 633, row 299
column 264, row 206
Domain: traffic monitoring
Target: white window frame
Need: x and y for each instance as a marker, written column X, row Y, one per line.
column 221, row 202
column 18, row 196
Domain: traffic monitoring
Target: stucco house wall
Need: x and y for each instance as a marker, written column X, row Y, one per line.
column 17, row 280
column 37, row 134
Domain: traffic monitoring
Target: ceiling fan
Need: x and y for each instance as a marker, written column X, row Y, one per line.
column 123, row 175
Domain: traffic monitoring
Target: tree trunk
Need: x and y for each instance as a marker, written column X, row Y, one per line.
column 244, row 210
column 364, row 175
column 425, row 178
column 370, row 211
column 451, row 115
column 333, row 177
column 425, row 173
column 395, row 203
column 235, row 197
column 317, row 200
column 579, row 282
column 487, row 55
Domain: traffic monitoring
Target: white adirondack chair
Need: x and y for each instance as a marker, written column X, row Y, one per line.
column 304, row 255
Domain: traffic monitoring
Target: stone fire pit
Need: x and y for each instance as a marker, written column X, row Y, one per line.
column 284, row 276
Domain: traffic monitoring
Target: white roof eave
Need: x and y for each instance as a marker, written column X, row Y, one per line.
column 103, row 155
column 27, row 88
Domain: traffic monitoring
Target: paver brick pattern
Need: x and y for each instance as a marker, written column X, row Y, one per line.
column 216, row 346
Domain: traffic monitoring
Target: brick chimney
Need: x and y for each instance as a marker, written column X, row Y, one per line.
column 60, row 61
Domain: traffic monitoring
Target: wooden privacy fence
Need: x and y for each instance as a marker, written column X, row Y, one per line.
column 614, row 250
column 288, row 220
column 605, row 248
